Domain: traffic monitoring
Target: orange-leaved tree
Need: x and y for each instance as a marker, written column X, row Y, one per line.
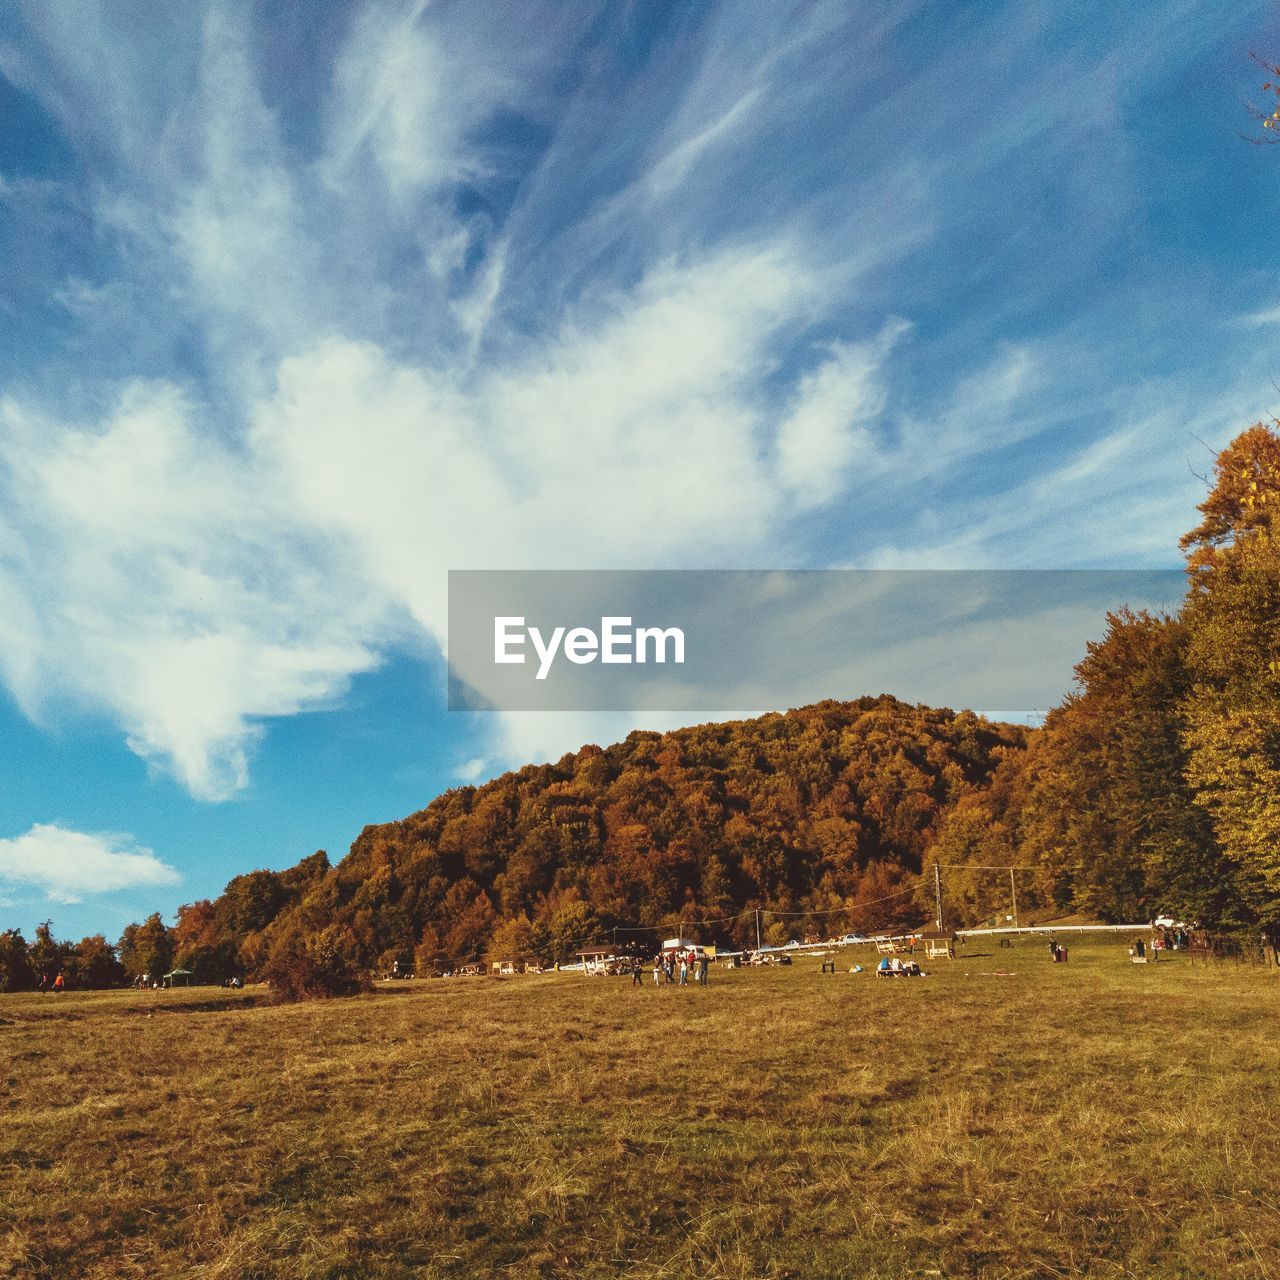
column 1232, row 616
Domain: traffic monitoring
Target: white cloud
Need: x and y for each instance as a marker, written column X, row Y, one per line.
column 471, row 770
column 190, row 588
column 155, row 578
column 410, row 98
column 1264, row 319
column 1129, row 493
column 535, row 737
column 827, row 431
column 420, row 345
column 675, row 166
column 67, row 865
column 647, row 406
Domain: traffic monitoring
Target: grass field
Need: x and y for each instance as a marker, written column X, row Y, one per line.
column 1095, row 1118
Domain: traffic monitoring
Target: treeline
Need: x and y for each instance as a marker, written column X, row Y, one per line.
column 827, row 808
column 91, row 962
column 1153, row 787
column 147, row 949
column 213, row 940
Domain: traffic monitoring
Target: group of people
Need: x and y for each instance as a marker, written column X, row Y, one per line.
column 146, row 982
column 896, row 967
column 57, row 984
column 676, row 966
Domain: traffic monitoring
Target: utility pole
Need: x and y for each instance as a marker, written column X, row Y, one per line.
column 1013, row 893
column 937, row 892
column 757, row 928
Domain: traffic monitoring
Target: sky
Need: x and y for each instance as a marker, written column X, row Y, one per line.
column 303, row 306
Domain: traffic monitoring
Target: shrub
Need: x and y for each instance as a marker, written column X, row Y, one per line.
column 309, row 966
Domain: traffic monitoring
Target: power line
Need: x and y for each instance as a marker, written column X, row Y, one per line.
column 662, row 928
column 979, row 866
column 836, row 911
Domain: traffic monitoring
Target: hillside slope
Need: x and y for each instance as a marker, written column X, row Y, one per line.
column 823, row 807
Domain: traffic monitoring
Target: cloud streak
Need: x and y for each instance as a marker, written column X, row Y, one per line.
column 466, row 292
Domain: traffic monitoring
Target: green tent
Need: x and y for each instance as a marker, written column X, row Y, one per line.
column 178, row 978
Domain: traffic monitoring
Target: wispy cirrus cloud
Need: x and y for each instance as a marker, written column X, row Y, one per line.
column 758, row 284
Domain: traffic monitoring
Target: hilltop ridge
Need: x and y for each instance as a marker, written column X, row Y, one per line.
column 817, row 809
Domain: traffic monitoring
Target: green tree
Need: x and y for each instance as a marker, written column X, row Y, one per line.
column 513, row 940
column 16, row 973
column 92, row 964
column 147, row 948
column 569, row 926
column 48, row 955
column 252, row 901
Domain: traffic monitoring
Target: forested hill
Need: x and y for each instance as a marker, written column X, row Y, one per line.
column 1153, row 787
column 827, row 806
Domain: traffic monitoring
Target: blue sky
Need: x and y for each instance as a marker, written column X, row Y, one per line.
column 304, row 305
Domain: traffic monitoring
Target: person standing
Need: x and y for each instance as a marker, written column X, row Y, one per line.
column 59, row 983
column 703, row 964
column 44, row 983
column 637, row 972
column 684, row 970
column 657, row 970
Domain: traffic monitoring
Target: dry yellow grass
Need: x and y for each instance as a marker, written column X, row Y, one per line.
column 1094, row 1119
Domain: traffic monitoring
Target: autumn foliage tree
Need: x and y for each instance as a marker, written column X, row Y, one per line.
column 1232, row 616
column 147, row 948
column 304, row 964
column 1110, row 810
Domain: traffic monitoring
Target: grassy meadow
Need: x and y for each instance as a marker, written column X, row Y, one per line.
column 1094, row 1118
